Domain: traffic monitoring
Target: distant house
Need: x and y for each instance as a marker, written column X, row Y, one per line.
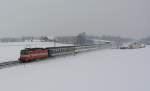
column 136, row 45
column 133, row 45
column 46, row 39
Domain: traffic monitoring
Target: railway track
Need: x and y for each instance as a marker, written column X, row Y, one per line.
column 9, row 64
column 77, row 50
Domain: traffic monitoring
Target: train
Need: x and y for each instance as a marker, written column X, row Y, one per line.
column 31, row 54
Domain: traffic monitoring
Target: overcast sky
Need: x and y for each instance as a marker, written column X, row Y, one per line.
column 127, row 18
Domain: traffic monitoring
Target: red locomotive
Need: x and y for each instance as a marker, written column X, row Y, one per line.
column 30, row 54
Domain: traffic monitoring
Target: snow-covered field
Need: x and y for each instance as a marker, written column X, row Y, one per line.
column 103, row 70
column 11, row 51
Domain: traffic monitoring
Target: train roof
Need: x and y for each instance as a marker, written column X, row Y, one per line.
column 59, row 47
column 32, row 49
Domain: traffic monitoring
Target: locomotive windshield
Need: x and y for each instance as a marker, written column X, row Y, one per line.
column 23, row 52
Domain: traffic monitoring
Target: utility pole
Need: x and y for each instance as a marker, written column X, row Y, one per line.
column 75, row 40
column 54, row 43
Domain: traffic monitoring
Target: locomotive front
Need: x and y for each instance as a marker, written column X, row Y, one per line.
column 24, row 56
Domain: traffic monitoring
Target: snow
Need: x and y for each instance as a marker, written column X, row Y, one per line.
column 101, row 70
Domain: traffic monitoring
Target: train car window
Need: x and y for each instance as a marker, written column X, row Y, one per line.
column 64, row 50
column 55, row 50
column 51, row 51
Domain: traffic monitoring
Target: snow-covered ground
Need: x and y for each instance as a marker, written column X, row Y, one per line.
column 11, row 51
column 103, row 70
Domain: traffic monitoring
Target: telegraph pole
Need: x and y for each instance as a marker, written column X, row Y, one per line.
column 75, row 40
column 54, row 43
